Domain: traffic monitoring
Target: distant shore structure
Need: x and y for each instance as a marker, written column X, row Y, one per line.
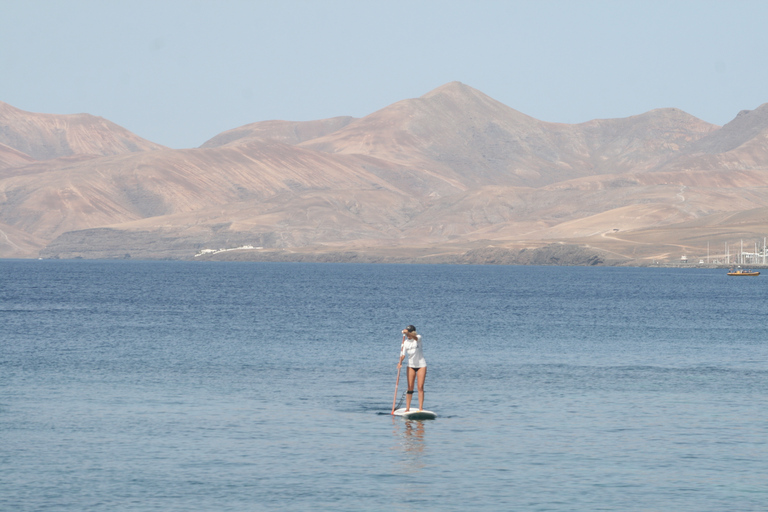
column 747, row 258
column 203, row 252
column 733, row 255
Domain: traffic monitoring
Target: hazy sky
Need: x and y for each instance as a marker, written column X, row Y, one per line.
column 178, row 72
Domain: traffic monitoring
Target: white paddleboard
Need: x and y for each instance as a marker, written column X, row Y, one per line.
column 415, row 414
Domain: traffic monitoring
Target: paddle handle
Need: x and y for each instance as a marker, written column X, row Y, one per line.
column 397, row 382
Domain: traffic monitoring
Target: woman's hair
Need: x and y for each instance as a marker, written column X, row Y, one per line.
column 410, row 328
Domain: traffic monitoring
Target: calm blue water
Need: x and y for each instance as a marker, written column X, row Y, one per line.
column 168, row 386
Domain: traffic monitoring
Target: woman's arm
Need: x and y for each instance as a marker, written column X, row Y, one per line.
column 402, row 351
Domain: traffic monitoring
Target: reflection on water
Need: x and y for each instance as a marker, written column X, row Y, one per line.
column 409, row 439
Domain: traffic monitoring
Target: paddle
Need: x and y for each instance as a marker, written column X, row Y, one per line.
column 397, row 382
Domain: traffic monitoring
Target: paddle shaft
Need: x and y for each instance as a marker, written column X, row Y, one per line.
column 397, row 382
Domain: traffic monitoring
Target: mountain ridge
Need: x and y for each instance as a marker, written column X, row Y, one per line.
column 438, row 176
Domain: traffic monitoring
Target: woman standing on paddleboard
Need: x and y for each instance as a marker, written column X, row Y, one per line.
column 417, row 365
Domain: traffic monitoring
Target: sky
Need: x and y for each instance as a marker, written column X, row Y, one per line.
column 178, row 72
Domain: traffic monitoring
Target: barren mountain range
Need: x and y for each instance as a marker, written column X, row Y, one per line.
column 452, row 176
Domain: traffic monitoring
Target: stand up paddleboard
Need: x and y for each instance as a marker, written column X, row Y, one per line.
column 415, row 414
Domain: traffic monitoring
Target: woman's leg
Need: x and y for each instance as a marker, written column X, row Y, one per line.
column 409, row 395
column 422, row 375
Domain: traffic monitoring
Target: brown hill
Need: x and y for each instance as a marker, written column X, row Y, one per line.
column 103, row 191
column 287, row 132
column 741, row 144
column 748, row 126
column 47, row 136
column 451, row 176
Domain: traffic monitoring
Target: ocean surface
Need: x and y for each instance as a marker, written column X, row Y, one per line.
column 172, row 386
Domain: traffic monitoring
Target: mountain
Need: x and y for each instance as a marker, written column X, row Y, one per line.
column 83, row 194
column 287, row 132
column 47, row 136
column 747, row 127
column 451, row 176
column 742, row 144
column 469, row 137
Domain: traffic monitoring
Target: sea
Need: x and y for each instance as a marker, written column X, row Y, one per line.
column 213, row 386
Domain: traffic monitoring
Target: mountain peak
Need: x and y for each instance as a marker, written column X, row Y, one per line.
column 453, row 88
column 461, row 96
column 747, row 125
column 48, row 136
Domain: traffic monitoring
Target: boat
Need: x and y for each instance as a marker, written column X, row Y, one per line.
column 742, row 272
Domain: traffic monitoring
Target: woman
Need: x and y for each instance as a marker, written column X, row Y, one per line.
column 417, row 365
